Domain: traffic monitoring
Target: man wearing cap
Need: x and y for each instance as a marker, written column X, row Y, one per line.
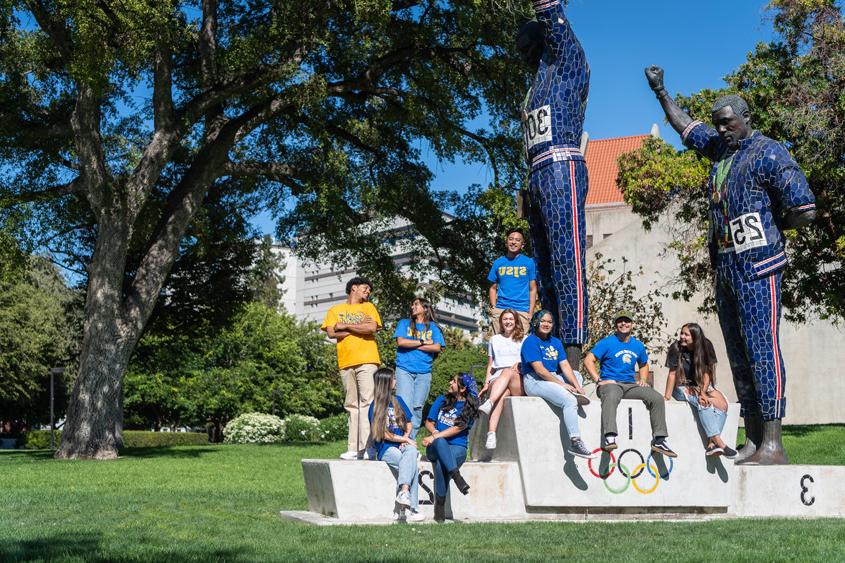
column 624, row 375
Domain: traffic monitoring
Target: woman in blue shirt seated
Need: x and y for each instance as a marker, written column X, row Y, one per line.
column 448, row 423
column 543, row 360
column 692, row 378
column 390, row 427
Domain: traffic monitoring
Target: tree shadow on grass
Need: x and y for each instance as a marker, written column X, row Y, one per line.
column 178, row 452
column 26, row 455
column 89, row 547
column 802, row 430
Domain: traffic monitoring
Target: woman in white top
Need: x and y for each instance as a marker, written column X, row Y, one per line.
column 503, row 378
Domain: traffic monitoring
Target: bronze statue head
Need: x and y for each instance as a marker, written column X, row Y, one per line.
column 530, row 42
column 732, row 119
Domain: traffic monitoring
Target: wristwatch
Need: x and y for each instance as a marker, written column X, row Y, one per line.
column 422, row 342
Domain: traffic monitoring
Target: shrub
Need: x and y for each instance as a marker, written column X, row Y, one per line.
column 334, row 428
column 40, row 439
column 254, row 428
column 302, row 428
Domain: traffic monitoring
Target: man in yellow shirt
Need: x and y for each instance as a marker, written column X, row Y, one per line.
column 354, row 325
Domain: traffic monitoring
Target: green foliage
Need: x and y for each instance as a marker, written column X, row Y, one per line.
column 265, row 361
column 452, row 361
column 612, row 289
column 795, row 89
column 302, row 428
column 39, row 329
column 254, row 428
column 40, row 439
column 334, row 428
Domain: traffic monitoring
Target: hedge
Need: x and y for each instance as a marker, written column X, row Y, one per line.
column 40, row 439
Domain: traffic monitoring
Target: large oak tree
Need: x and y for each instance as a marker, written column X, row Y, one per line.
column 117, row 116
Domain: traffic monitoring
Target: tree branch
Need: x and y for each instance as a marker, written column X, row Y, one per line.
column 52, row 27
column 54, row 192
column 276, row 171
column 208, row 42
column 85, row 121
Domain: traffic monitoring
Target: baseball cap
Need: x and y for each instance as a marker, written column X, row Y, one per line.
column 623, row 314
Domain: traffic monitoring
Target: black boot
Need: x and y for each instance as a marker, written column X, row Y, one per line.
column 573, row 356
column 439, row 508
column 753, row 438
column 462, row 485
column 770, row 451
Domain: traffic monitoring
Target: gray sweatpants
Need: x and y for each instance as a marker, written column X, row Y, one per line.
column 610, row 395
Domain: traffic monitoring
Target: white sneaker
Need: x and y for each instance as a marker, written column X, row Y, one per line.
column 403, row 498
column 411, row 516
column 350, row 455
column 486, row 407
column 490, row 444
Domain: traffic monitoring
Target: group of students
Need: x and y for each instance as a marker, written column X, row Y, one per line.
column 525, row 358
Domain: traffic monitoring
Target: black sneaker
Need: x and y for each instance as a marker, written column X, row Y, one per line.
column 577, row 448
column 729, row 452
column 661, row 447
column 609, row 443
column 714, row 451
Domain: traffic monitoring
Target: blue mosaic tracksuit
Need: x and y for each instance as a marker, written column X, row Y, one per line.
column 761, row 184
column 553, row 122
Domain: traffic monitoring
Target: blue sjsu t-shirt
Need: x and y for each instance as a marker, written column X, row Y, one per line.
column 391, row 425
column 443, row 420
column 535, row 349
column 513, row 278
column 412, row 359
column 620, row 360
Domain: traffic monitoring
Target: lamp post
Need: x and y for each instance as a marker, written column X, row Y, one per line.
column 53, row 373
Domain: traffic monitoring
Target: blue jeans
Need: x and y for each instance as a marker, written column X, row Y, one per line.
column 558, row 396
column 445, row 458
column 413, row 388
column 712, row 419
column 404, row 462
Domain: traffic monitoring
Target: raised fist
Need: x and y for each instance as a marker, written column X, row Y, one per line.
column 654, row 74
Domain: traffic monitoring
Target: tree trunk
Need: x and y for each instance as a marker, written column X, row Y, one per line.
column 94, row 426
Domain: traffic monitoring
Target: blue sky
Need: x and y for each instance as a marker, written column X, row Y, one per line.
column 697, row 43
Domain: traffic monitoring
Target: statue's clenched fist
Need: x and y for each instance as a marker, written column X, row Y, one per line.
column 654, row 74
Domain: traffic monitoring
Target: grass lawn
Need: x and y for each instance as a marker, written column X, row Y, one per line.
column 221, row 503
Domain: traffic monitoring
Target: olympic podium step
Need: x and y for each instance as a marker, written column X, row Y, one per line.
column 531, row 434
column 789, row 491
column 364, row 492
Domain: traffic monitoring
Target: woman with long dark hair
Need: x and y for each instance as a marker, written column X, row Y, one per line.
column 418, row 340
column 390, row 427
column 692, row 378
column 448, row 422
column 502, row 377
column 547, row 374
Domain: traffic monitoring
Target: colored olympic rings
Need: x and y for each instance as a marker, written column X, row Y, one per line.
column 611, row 467
column 646, row 464
column 648, row 467
column 640, row 466
column 624, row 471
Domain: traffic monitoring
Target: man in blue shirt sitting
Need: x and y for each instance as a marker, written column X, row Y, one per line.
column 513, row 282
column 622, row 359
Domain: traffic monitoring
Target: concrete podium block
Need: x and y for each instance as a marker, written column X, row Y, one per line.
column 532, row 434
column 794, row 491
column 364, row 491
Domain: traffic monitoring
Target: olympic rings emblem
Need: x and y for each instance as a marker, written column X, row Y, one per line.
column 631, row 476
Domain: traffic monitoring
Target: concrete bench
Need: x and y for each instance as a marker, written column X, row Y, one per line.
column 364, row 491
column 532, row 434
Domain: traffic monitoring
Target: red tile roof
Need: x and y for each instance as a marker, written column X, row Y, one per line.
column 602, row 168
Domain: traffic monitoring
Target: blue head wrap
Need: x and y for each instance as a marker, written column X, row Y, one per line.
column 468, row 381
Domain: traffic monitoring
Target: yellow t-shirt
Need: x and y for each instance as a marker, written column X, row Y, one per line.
column 354, row 349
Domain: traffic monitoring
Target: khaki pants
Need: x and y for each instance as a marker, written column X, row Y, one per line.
column 610, row 395
column 495, row 313
column 358, row 385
